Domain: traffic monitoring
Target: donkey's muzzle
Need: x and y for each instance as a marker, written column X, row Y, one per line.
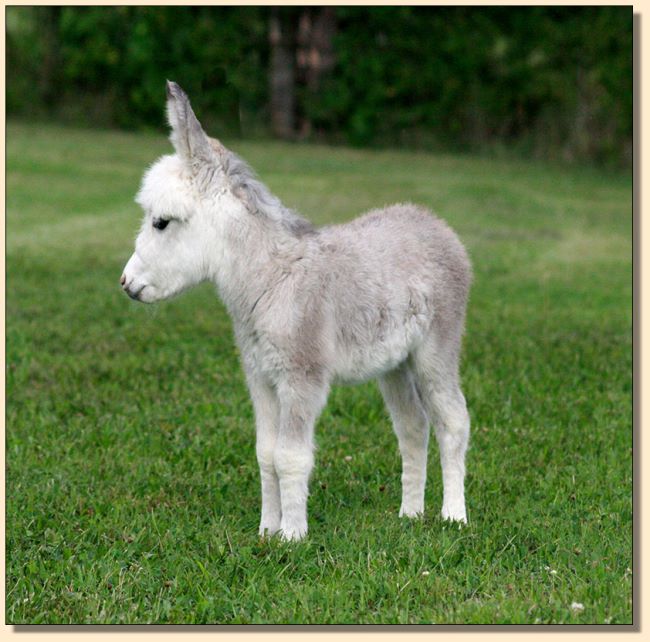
column 133, row 293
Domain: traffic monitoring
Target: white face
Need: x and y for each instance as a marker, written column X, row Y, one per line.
column 171, row 248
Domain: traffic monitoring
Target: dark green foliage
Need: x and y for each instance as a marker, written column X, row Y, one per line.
column 557, row 80
column 551, row 81
column 113, row 62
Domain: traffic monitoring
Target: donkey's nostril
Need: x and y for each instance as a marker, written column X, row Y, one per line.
column 122, row 280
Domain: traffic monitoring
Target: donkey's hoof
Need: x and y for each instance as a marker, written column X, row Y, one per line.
column 293, row 533
column 411, row 513
column 454, row 515
column 268, row 531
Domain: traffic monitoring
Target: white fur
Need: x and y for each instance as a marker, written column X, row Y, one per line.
column 383, row 296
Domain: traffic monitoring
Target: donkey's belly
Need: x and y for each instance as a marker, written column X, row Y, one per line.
column 360, row 370
column 357, row 362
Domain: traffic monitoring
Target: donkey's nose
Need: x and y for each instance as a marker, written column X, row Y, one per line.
column 123, row 279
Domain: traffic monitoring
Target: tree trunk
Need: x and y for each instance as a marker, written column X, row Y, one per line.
column 282, row 75
column 321, row 51
column 49, row 86
column 315, row 52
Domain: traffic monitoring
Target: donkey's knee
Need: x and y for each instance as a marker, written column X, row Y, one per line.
column 293, row 467
column 265, row 449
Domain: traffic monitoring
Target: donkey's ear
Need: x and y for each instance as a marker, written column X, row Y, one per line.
column 188, row 137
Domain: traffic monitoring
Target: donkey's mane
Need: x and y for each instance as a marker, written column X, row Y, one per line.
column 258, row 197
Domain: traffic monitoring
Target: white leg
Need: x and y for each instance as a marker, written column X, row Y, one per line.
column 294, row 453
column 451, row 422
column 412, row 428
column 267, row 420
column 436, row 377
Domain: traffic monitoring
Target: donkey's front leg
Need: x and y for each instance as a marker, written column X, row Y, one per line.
column 300, row 406
column 267, row 421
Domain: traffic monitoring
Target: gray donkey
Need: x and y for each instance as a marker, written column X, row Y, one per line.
column 383, row 296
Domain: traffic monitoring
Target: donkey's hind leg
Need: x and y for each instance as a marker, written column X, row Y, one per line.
column 412, row 428
column 437, row 382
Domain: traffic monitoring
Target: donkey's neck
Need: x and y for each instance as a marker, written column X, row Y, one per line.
column 258, row 238
column 252, row 253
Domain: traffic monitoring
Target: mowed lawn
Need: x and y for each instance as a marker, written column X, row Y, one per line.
column 132, row 490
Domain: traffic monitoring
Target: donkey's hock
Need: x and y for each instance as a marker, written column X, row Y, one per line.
column 382, row 296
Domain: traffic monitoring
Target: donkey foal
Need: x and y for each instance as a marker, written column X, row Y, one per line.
column 383, row 297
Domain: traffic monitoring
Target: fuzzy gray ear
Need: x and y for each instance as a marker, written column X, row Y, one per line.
column 188, row 137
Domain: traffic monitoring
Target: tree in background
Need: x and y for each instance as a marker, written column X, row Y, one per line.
column 112, row 63
column 282, row 71
column 553, row 82
column 302, row 54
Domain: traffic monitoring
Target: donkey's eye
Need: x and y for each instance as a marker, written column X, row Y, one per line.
column 161, row 223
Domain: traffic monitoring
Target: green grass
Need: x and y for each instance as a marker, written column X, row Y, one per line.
column 131, row 480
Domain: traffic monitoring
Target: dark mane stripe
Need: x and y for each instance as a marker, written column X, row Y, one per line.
column 258, row 197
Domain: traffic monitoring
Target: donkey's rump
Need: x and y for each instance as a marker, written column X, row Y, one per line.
column 402, row 245
column 395, row 271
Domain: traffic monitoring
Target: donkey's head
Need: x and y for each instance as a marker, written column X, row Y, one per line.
column 172, row 250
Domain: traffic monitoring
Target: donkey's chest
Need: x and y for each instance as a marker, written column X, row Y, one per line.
column 267, row 354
